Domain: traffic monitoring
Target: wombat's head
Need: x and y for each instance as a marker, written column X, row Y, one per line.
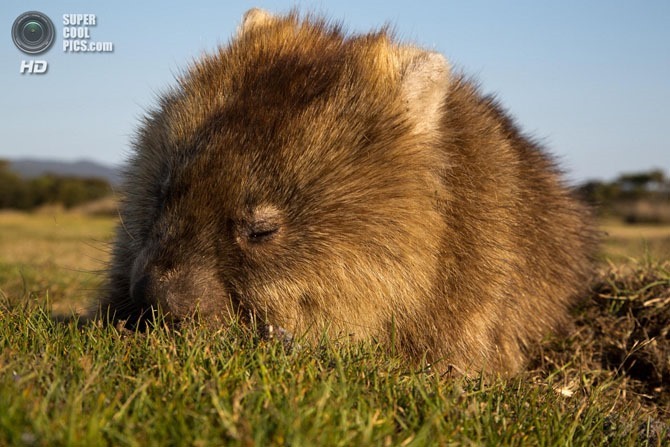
column 292, row 176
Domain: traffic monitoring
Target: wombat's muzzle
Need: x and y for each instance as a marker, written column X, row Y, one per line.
column 174, row 299
column 178, row 292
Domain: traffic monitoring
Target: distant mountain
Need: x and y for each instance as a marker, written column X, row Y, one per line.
column 29, row 168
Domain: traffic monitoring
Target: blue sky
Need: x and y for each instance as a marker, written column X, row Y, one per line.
column 591, row 80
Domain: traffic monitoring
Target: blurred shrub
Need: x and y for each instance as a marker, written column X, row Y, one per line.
column 27, row 194
column 642, row 197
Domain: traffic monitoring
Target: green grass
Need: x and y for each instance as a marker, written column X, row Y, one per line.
column 64, row 385
column 70, row 384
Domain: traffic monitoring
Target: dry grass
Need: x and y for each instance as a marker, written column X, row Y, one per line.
column 54, row 254
column 623, row 243
column 622, row 333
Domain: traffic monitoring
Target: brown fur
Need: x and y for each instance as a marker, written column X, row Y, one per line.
column 347, row 184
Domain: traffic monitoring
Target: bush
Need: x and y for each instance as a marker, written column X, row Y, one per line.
column 22, row 194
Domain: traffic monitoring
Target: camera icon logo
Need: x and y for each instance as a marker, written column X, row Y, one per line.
column 33, row 32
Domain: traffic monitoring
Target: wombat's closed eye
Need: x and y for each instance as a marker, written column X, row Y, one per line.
column 318, row 182
column 261, row 225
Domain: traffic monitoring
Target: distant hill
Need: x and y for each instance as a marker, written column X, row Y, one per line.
column 29, row 168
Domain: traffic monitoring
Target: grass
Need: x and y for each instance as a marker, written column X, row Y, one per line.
column 70, row 384
column 93, row 386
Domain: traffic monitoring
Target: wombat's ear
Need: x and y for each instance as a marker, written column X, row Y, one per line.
column 425, row 81
column 254, row 18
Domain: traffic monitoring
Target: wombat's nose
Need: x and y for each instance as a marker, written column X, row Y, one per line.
column 174, row 292
column 153, row 290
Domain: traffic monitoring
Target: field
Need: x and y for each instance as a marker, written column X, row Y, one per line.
column 62, row 383
column 625, row 242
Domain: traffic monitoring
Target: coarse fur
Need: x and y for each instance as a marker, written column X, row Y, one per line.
column 321, row 182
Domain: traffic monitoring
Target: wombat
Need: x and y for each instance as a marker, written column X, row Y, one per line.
column 347, row 185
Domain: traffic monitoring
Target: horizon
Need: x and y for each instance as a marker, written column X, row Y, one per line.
column 590, row 82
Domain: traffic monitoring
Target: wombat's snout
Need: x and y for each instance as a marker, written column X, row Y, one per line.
column 178, row 291
column 171, row 295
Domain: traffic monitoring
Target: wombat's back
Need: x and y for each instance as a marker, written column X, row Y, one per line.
column 347, row 184
column 518, row 246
